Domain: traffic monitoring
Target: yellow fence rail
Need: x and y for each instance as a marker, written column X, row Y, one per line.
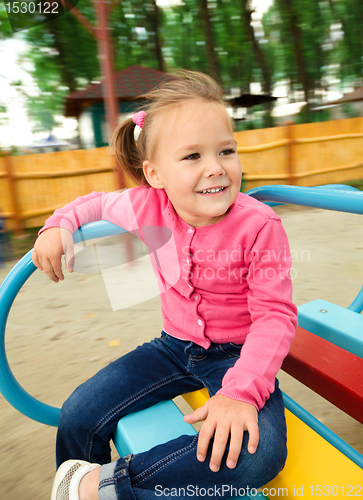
column 307, row 155
column 33, row 186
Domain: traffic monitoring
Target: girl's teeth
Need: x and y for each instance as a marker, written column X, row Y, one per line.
column 212, row 190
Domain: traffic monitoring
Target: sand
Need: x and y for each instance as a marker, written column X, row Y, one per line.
column 59, row 335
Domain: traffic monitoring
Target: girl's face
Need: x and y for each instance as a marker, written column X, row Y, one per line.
column 196, row 153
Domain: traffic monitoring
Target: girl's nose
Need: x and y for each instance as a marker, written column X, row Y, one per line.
column 214, row 168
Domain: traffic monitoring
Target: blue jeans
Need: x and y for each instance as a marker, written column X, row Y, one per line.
column 161, row 370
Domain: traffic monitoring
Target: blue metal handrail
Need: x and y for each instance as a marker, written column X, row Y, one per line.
column 337, row 197
column 9, row 386
column 342, row 199
column 320, row 197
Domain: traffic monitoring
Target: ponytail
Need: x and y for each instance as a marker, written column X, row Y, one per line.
column 128, row 153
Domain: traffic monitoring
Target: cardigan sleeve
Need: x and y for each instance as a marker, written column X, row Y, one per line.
column 115, row 207
column 273, row 318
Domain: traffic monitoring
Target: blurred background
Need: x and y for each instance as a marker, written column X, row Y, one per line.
column 292, row 72
column 305, row 52
column 302, row 51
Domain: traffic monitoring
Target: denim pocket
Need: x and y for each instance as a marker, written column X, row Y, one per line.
column 231, row 349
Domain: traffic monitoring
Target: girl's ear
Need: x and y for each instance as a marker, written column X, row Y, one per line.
column 152, row 175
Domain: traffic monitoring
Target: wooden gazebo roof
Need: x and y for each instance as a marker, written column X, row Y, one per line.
column 129, row 83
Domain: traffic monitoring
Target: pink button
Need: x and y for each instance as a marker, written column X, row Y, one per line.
column 200, row 322
column 196, row 297
column 190, row 231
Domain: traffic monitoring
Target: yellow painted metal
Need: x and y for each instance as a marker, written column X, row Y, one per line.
column 196, row 399
column 313, row 467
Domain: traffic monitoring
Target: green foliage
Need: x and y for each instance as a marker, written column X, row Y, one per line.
column 185, row 45
column 5, row 28
column 64, row 58
column 3, row 117
column 301, row 42
column 183, row 28
column 133, row 34
column 349, row 13
column 311, row 32
column 349, row 111
column 307, row 116
column 358, row 184
column 65, row 46
column 51, row 94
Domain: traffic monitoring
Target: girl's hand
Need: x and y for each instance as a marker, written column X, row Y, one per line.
column 48, row 251
column 225, row 417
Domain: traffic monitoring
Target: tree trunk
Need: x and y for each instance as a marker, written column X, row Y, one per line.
column 260, row 57
column 296, row 35
column 155, row 21
column 213, row 67
column 66, row 75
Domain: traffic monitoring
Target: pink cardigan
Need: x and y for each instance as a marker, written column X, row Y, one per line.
column 227, row 282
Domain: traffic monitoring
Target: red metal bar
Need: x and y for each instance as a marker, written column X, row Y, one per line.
column 331, row 372
column 105, row 56
column 80, row 17
column 101, row 33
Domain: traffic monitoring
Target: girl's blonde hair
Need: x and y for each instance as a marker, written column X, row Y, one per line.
column 183, row 87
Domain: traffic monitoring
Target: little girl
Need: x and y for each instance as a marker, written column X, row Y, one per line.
column 226, row 302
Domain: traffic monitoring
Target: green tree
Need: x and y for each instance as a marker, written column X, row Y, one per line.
column 260, row 57
column 136, row 30
column 349, row 50
column 185, row 45
column 225, row 51
column 297, row 32
column 66, row 49
column 236, row 60
column 5, row 28
column 206, row 17
column 64, row 54
column 296, row 43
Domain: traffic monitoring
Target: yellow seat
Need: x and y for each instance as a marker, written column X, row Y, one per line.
column 313, row 468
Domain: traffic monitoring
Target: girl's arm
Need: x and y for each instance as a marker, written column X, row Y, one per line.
column 273, row 319
column 48, row 251
column 247, row 385
column 55, row 238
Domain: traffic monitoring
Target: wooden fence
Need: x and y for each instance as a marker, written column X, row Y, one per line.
column 305, row 155
column 33, row 186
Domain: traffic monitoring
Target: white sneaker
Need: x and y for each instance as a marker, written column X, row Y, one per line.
column 68, row 477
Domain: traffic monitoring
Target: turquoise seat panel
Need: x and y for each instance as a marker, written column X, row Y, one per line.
column 141, row 431
column 338, row 325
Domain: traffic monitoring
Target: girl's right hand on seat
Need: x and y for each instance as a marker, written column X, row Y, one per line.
column 48, row 251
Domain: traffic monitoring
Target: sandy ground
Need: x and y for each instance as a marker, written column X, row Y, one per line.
column 59, row 335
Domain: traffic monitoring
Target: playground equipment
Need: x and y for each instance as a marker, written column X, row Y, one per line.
column 326, row 355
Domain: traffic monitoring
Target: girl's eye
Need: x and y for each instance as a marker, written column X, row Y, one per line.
column 193, row 156
column 226, row 152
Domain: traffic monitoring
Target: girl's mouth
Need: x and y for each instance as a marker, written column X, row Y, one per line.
column 212, row 191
